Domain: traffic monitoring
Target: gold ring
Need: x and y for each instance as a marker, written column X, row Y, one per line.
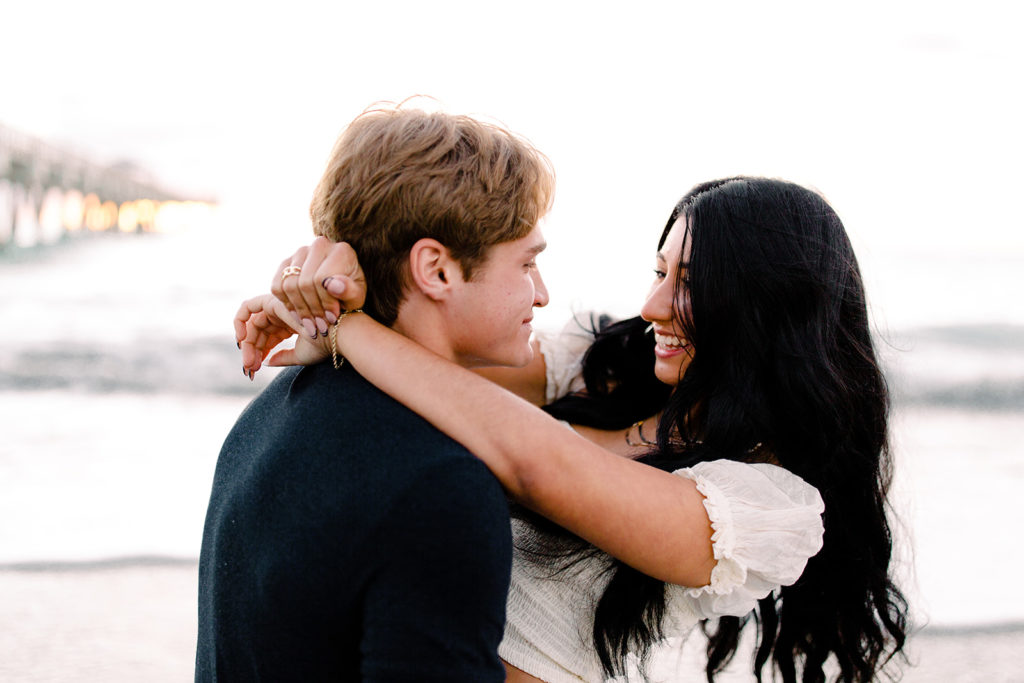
column 290, row 270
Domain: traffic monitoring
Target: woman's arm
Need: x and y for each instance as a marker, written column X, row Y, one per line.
column 650, row 519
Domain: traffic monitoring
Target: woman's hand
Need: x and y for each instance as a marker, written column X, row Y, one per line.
column 262, row 323
column 318, row 282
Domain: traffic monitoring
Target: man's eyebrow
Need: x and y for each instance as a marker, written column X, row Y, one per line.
column 537, row 248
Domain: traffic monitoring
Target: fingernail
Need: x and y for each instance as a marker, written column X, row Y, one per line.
column 331, row 318
column 308, row 326
column 250, row 375
column 238, row 344
column 321, row 325
column 245, row 373
column 334, row 286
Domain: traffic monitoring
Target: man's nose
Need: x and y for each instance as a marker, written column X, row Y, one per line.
column 540, row 294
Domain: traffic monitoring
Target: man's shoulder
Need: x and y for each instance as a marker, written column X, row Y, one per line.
column 338, row 411
column 307, row 392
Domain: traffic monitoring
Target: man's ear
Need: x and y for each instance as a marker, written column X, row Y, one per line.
column 432, row 269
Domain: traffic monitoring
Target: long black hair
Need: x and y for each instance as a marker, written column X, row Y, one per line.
column 782, row 356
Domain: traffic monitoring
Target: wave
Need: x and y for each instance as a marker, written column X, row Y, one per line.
column 196, row 366
column 976, row 337
column 994, row 628
column 126, row 562
column 968, row 367
column 985, row 395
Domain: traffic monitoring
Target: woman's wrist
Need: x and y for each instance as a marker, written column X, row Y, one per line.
column 337, row 357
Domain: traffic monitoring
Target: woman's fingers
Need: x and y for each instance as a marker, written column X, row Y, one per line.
column 245, row 312
column 286, row 271
column 309, row 284
column 318, row 282
column 305, row 352
column 341, row 278
column 285, row 286
column 261, row 324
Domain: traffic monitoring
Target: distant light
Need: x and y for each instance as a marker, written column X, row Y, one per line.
column 146, row 212
column 74, row 211
column 109, row 210
column 127, row 217
column 92, row 208
column 51, row 216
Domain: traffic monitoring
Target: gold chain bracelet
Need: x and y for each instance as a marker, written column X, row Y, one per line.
column 332, row 335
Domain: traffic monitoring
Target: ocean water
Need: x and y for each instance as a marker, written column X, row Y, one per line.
column 119, row 379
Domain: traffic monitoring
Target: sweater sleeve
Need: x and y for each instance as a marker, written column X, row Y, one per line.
column 766, row 525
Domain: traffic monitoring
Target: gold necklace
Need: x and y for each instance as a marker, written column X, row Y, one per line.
column 644, row 441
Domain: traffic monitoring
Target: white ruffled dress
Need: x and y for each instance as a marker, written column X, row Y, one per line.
column 767, row 524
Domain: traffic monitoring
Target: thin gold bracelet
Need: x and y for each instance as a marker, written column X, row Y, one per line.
column 332, row 335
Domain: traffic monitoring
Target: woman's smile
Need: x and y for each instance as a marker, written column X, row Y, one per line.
column 668, row 345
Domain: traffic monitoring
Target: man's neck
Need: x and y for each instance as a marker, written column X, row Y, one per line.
column 421, row 322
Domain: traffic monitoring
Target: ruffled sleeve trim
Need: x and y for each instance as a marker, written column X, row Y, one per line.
column 766, row 524
column 563, row 353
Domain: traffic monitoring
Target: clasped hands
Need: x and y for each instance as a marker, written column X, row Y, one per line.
column 309, row 291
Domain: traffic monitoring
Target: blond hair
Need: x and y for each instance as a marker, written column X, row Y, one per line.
column 399, row 175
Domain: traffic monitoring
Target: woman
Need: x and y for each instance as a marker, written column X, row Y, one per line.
column 760, row 328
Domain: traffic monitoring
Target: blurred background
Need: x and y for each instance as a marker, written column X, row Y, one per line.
column 119, row 377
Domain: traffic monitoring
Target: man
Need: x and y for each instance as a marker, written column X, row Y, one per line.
column 346, row 538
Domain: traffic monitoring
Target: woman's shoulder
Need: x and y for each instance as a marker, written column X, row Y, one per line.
column 763, row 482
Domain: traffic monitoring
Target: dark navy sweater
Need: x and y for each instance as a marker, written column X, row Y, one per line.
column 348, row 540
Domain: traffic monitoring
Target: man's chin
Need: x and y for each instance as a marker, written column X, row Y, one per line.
column 518, row 359
column 524, row 358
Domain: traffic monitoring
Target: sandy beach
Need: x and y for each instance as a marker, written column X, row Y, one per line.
column 134, row 620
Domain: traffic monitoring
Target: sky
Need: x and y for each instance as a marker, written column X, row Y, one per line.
column 904, row 114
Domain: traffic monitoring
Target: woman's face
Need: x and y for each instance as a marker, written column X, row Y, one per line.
column 672, row 351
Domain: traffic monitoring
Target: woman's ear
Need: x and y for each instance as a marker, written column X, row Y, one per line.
column 432, row 269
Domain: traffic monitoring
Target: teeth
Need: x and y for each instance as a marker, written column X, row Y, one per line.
column 669, row 341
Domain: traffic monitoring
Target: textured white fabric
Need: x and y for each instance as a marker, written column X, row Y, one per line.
column 563, row 353
column 767, row 524
column 766, row 521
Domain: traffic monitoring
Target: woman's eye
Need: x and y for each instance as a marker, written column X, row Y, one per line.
column 659, row 274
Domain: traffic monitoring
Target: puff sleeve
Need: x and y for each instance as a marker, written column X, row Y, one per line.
column 766, row 525
column 563, row 353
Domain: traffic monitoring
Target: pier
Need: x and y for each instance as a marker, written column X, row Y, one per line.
column 48, row 194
